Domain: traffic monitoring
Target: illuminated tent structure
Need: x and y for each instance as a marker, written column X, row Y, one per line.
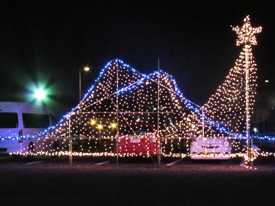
column 123, row 96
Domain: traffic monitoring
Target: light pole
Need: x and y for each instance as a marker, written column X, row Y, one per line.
column 85, row 69
column 70, row 143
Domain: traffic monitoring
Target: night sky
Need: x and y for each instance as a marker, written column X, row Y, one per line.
column 49, row 41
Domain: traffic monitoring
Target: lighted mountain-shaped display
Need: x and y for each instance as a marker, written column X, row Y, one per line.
column 121, row 96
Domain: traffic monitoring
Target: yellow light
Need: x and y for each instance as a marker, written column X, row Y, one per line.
column 99, row 126
column 113, row 125
column 93, row 122
column 86, row 69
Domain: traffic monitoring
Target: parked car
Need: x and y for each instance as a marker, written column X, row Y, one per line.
column 210, row 148
column 137, row 140
column 18, row 122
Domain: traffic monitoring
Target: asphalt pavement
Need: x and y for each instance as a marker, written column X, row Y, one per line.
column 104, row 181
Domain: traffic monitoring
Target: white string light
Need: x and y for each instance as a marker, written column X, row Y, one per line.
column 178, row 118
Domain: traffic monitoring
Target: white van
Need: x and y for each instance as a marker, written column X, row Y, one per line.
column 18, row 121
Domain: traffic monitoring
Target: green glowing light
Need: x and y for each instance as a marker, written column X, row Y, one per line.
column 40, row 94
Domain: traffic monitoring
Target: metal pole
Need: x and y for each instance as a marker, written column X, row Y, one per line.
column 70, row 143
column 158, row 136
column 247, row 103
column 202, row 121
column 79, row 82
column 117, row 132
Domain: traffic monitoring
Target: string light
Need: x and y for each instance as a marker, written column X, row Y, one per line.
column 233, row 102
column 121, row 96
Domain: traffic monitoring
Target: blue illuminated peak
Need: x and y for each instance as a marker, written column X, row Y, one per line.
column 135, row 93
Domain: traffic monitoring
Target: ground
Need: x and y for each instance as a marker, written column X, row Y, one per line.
column 134, row 182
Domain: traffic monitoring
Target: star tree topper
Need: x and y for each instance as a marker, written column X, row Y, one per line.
column 246, row 34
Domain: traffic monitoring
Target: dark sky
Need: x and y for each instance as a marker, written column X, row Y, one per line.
column 50, row 40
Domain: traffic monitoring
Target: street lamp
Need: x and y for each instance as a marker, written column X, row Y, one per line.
column 40, row 94
column 85, row 69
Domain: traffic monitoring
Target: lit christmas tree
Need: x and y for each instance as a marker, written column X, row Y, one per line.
column 233, row 102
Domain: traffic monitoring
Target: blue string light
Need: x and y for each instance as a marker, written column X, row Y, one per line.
column 190, row 105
